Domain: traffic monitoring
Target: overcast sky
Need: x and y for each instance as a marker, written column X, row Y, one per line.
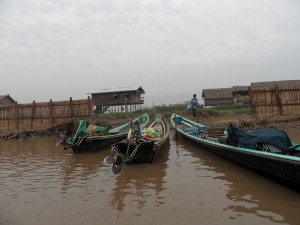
column 56, row 49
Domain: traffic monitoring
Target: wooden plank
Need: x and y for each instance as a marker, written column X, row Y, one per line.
column 187, row 124
column 215, row 132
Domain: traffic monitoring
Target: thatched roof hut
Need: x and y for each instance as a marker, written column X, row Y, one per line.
column 218, row 96
column 275, row 98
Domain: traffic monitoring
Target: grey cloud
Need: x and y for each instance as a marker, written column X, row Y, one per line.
column 111, row 43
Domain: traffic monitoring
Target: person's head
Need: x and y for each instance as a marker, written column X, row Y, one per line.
column 194, row 95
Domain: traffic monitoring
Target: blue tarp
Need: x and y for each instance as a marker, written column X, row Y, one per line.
column 276, row 137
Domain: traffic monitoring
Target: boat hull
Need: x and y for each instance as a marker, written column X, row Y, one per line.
column 284, row 169
column 94, row 145
column 146, row 153
column 92, row 141
column 147, row 149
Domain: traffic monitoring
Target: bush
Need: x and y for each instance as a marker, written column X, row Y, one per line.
column 221, row 110
column 167, row 110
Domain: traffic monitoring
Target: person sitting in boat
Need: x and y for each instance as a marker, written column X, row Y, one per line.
column 194, row 103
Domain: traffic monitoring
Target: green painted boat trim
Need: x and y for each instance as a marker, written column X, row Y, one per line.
column 82, row 130
column 295, row 147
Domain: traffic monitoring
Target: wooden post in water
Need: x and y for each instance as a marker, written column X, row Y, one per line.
column 176, row 135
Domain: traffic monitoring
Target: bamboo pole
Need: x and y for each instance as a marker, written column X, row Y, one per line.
column 51, row 113
column 32, row 114
column 16, row 116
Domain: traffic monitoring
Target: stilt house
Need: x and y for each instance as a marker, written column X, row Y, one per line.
column 125, row 99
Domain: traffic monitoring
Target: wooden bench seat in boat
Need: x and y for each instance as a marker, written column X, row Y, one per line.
column 215, row 132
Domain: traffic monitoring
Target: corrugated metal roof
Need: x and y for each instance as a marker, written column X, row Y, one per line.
column 268, row 84
column 217, row 93
column 119, row 89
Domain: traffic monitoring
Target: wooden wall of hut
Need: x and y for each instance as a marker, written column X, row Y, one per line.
column 43, row 115
column 218, row 101
column 117, row 98
column 275, row 101
column 124, row 108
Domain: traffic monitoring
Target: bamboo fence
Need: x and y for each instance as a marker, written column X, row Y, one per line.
column 275, row 101
column 43, row 115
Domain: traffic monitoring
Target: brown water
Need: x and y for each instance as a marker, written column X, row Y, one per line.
column 43, row 184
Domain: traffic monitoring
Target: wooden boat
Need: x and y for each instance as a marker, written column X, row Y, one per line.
column 268, row 152
column 93, row 138
column 142, row 145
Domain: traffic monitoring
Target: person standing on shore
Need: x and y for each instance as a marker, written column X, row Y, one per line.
column 194, row 103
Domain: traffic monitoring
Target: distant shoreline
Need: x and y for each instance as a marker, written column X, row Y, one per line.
column 243, row 121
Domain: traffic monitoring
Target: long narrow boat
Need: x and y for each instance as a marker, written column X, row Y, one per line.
column 268, row 152
column 142, row 145
column 92, row 138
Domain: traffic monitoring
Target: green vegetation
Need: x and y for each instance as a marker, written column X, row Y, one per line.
column 167, row 110
column 221, row 110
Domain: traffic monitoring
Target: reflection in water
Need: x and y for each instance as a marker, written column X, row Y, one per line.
column 257, row 194
column 263, row 197
column 80, row 168
column 249, row 192
column 25, row 164
column 141, row 182
column 42, row 184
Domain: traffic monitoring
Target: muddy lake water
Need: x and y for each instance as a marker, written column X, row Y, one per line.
column 44, row 184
